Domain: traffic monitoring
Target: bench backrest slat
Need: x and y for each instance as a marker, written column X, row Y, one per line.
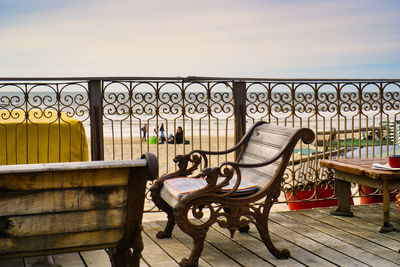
column 45, row 207
column 265, row 142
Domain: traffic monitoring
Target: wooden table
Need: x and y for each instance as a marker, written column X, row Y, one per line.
column 360, row 171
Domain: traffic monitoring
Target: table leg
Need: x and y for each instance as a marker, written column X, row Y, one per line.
column 343, row 193
column 387, row 226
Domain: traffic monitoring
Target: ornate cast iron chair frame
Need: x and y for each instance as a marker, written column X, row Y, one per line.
column 233, row 213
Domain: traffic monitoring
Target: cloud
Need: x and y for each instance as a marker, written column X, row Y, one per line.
column 226, row 38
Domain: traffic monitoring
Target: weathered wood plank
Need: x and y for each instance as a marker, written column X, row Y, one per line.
column 172, row 246
column 20, row 203
column 69, row 259
column 67, row 179
column 361, row 167
column 12, row 262
column 154, row 255
column 370, row 227
column 314, row 238
column 371, row 253
column 71, row 166
column 332, row 241
column 297, row 253
column 261, row 150
column 256, row 246
column 42, row 261
column 96, row 258
column 260, row 176
column 213, row 256
column 373, row 214
column 73, row 208
column 324, row 252
column 66, row 222
column 273, row 137
column 48, row 242
column 235, row 251
column 375, row 236
column 143, row 263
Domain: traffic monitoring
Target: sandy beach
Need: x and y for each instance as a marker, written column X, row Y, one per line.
column 132, row 148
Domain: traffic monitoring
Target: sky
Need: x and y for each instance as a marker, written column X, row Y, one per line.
column 223, row 38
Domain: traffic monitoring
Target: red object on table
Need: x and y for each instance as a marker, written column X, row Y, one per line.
column 394, row 161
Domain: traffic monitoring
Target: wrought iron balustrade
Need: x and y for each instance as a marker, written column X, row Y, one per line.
column 350, row 117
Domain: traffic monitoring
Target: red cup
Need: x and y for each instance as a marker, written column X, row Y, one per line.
column 394, row 161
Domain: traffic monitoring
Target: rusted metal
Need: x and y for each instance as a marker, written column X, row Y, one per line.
column 228, row 209
column 96, row 120
column 348, row 115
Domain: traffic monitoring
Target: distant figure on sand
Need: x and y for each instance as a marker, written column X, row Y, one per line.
column 144, row 131
column 162, row 134
column 178, row 139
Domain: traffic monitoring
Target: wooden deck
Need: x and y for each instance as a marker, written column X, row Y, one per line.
column 314, row 238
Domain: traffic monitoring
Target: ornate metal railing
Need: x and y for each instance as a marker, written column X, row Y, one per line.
column 350, row 117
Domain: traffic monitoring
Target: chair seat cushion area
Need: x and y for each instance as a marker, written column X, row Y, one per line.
column 174, row 189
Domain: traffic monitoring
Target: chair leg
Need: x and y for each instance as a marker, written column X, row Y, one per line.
column 262, row 227
column 128, row 252
column 122, row 256
column 198, row 237
column 244, row 229
column 162, row 205
column 167, row 232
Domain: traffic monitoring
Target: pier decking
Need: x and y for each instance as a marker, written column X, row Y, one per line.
column 313, row 237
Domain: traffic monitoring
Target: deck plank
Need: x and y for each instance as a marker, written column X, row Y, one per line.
column 143, row 263
column 250, row 242
column 38, row 261
column 153, row 254
column 323, row 235
column 373, row 213
column 313, row 237
column 366, row 237
column 375, row 253
column 325, row 253
column 69, row 259
column 233, row 250
column 12, row 262
column 171, row 246
column 210, row 254
column 96, row 258
column 367, row 230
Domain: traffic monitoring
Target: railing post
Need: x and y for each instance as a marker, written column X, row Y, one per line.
column 96, row 120
column 239, row 96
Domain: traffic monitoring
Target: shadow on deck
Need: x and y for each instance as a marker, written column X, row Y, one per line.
column 313, row 237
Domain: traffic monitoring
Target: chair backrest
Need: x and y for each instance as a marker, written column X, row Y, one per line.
column 71, row 206
column 265, row 141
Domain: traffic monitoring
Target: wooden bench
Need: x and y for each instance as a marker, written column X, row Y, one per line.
column 263, row 155
column 68, row 207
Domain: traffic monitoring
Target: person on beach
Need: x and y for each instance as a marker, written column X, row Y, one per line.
column 178, row 138
column 144, row 131
column 162, row 134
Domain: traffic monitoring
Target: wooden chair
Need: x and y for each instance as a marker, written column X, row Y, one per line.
column 231, row 190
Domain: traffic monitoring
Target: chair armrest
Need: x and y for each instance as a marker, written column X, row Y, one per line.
column 212, row 189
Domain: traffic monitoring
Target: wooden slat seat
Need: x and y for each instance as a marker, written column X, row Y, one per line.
column 263, row 155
